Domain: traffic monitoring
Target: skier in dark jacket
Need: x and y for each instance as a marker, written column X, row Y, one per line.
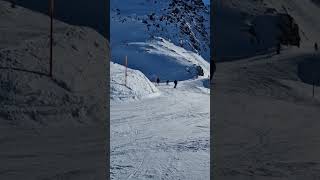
column 158, row 80
column 175, row 83
column 167, row 82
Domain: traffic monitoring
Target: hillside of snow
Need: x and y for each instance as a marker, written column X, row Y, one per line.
column 265, row 112
column 72, row 12
column 138, row 85
column 266, row 118
column 44, row 121
column 249, row 27
column 161, row 58
column 153, row 33
column 24, row 61
column 183, row 22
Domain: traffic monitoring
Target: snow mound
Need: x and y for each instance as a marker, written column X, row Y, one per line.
column 28, row 96
column 138, row 85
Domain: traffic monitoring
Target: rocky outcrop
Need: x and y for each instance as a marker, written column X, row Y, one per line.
column 289, row 30
column 186, row 23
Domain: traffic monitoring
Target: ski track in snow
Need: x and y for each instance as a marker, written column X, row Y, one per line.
column 164, row 137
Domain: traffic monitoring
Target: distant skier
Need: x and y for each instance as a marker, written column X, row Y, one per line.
column 167, row 82
column 316, row 46
column 158, row 80
column 175, row 83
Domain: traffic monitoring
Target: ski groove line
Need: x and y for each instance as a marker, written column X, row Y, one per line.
column 137, row 169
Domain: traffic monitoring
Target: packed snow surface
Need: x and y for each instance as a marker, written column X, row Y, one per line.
column 163, row 137
column 164, row 132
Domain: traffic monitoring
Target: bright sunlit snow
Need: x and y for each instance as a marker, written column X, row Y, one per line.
column 158, row 131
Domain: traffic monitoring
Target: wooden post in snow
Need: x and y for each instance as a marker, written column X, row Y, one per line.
column 126, row 64
column 51, row 35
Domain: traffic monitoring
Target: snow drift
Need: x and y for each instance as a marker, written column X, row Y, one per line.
column 138, row 86
column 28, row 95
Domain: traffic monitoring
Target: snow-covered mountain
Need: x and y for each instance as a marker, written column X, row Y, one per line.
column 185, row 23
column 161, row 38
column 251, row 27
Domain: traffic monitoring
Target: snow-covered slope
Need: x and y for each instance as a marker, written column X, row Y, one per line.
column 79, row 63
column 306, row 13
column 166, row 137
column 250, row 27
column 139, row 26
column 161, row 58
column 264, row 113
column 183, row 22
column 265, row 118
column 138, row 86
column 79, row 13
column 51, row 127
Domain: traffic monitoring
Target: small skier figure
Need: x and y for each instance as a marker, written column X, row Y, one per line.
column 167, row 82
column 316, row 46
column 175, row 83
column 158, row 80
